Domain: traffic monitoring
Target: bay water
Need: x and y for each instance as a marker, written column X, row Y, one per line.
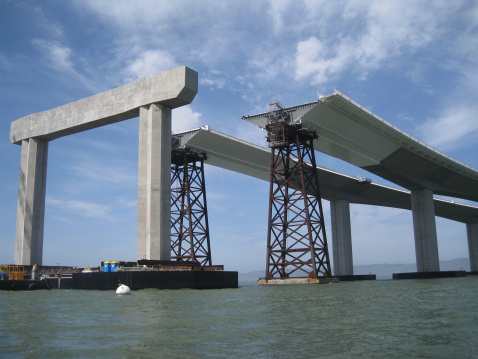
column 434, row 318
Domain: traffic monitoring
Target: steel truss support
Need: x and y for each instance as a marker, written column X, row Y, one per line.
column 296, row 242
column 189, row 221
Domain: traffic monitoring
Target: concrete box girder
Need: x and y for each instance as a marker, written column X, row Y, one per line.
column 237, row 155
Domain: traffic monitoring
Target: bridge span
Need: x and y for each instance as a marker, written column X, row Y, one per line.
column 237, row 155
column 348, row 131
column 345, row 130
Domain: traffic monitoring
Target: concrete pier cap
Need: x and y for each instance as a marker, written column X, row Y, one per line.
column 173, row 88
column 151, row 99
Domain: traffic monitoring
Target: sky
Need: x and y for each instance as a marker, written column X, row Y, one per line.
column 413, row 63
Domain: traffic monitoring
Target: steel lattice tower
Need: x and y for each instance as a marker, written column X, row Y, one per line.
column 296, row 242
column 189, row 221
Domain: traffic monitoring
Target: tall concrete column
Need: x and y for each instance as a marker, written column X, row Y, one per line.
column 424, row 226
column 31, row 202
column 472, row 232
column 341, row 238
column 154, row 183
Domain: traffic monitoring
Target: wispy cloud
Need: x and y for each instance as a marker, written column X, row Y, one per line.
column 82, row 208
column 51, row 26
column 457, row 127
column 60, row 58
column 118, row 173
column 57, row 55
column 384, row 29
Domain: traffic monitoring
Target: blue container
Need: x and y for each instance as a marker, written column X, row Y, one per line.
column 114, row 265
column 106, row 266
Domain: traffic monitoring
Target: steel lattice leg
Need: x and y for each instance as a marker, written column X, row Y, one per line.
column 189, row 221
column 296, row 243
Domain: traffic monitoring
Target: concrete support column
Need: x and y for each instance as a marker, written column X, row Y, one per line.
column 31, row 202
column 472, row 232
column 424, row 226
column 154, row 183
column 341, row 238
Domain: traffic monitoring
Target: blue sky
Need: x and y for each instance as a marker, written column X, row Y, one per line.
column 414, row 63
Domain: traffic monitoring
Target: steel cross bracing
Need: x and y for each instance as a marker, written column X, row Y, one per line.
column 189, row 221
column 297, row 242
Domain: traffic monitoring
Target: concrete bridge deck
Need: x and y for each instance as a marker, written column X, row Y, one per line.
column 354, row 134
column 244, row 157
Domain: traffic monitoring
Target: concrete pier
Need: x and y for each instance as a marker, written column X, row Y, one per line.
column 424, row 225
column 472, row 232
column 154, row 183
column 31, row 202
column 341, row 238
column 151, row 98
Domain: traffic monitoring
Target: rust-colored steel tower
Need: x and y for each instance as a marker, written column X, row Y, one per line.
column 189, row 221
column 296, row 242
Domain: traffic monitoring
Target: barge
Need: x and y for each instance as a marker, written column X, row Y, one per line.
column 142, row 274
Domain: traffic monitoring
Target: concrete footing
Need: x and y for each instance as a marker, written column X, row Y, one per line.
column 292, row 281
column 356, row 277
column 429, row 275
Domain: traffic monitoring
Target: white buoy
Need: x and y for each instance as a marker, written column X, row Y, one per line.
column 123, row 289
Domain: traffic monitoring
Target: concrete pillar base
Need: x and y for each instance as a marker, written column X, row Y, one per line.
column 293, row 281
column 429, row 275
column 356, row 277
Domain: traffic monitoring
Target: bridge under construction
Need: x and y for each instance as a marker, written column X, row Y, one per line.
column 172, row 207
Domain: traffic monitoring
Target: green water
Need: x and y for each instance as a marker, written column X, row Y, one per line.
column 435, row 318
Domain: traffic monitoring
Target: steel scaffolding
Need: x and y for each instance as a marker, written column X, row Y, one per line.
column 296, row 242
column 189, row 221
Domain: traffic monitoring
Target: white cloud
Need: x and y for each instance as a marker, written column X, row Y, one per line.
column 457, row 127
column 251, row 133
column 149, row 62
column 82, row 208
column 51, row 26
column 218, row 82
column 58, row 56
column 184, row 119
column 383, row 31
